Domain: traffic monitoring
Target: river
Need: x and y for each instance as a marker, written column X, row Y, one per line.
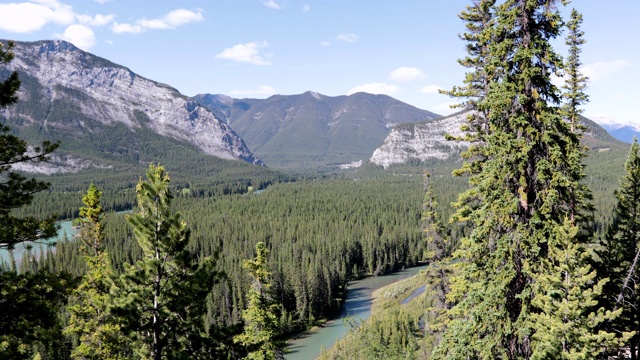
column 65, row 230
column 357, row 305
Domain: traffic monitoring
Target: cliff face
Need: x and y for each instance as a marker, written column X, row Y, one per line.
column 421, row 141
column 56, row 74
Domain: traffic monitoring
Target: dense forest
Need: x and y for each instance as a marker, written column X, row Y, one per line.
column 530, row 255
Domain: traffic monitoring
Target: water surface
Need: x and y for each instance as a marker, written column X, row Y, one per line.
column 357, row 306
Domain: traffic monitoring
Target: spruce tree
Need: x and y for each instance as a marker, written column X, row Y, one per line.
column 437, row 255
column 566, row 294
column 161, row 299
column 523, row 187
column 575, row 81
column 261, row 328
column 90, row 319
column 620, row 253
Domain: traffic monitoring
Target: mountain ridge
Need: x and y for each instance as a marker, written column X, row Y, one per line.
column 70, row 93
column 312, row 129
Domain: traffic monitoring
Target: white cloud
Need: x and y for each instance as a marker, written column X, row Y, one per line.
column 375, row 88
column 306, row 8
column 601, row 70
column 325, row 43
column 430, row 89
column 119, row 28
column 350, row 38
column 272, row 4
column 31, row 16
column 406, row 74
column 79, row 35
column 171, row 20
column 108, row 42
column 98, row 20
column 101, row 1
column 249, row 53
column 264, row 90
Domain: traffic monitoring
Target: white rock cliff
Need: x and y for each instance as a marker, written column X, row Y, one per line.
column 421, row 141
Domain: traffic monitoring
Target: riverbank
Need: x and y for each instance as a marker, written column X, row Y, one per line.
column 357, row 307
column 393, row 329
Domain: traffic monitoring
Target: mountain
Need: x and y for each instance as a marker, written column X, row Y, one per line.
column 312, row 130
column 107, row 116
column 621, row 131
column 426, row 140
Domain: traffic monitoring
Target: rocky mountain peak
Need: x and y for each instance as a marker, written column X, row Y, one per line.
column 58, row 72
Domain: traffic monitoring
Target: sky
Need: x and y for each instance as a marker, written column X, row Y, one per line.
column 407, row 49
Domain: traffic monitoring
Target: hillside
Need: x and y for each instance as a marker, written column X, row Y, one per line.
column 312, row 130
column 107, row 117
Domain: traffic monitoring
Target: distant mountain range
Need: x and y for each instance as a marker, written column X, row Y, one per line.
column 105, row 115
column 620, row 131
column 312, row 130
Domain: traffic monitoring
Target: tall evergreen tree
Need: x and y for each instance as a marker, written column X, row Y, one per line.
column 566, row 326
column 99, row 336
column 575, row 82
column 479, row 19
column 525, row 187
column 437, row 255
column 162, row 298
column 261, row 328
column 620, row 253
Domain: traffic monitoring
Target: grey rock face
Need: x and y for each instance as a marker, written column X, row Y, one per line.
column 421, row 141
column 114, row 94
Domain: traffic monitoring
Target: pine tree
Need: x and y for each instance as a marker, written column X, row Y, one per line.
column 16, row 190
column 525, row 185
column 99, row 336
column 437, row 255
column 567, row 327
column 261, row 329
column 576, row 82
column 161, row 299
column 479, row 19
column 620, row 253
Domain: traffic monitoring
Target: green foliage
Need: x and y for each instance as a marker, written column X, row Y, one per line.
column 29, row 318
column 261, row 327
column 619, row 252
column 394, row 330
column 30, row 302
column 90, row 319
column 566, row 326
column 161, row 299
column 524, row 181
column 439, row 270
column 16, row 190
column 576, row 82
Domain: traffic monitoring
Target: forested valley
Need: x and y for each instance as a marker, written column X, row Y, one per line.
column 530, row 254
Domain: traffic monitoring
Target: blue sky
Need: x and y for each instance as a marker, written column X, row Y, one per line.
column 256, row 48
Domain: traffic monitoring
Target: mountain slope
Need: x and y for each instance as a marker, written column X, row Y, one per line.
column 426, row 140
column 313, row 130
column 105, row 115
